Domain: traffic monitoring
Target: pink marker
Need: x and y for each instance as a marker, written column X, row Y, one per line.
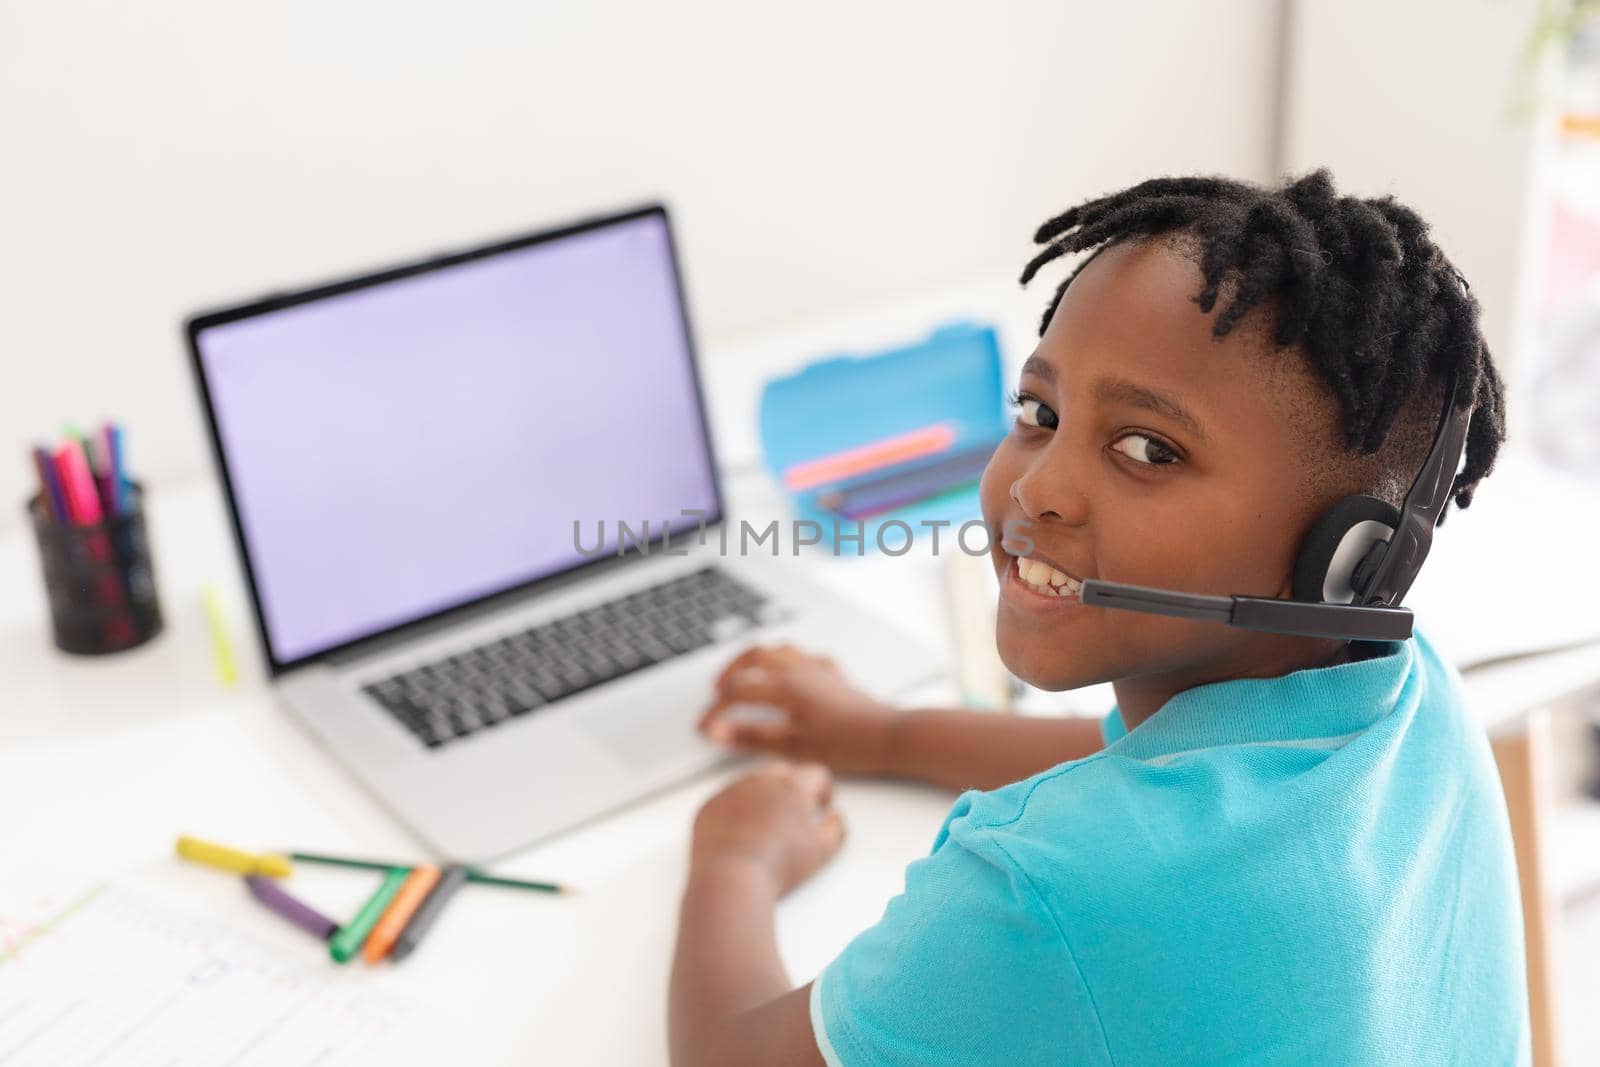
column 83, row 500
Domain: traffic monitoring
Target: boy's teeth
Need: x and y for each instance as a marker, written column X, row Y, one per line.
column 1046, row 579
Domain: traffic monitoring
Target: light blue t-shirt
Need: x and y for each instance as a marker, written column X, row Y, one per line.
column 1312, row 869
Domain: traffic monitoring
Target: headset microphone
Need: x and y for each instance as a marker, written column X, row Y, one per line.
column 1354, row 567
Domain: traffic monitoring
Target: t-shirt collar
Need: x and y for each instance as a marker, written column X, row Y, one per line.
column 1321, row 703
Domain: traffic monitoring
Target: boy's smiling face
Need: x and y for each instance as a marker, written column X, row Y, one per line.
column 1146, row 451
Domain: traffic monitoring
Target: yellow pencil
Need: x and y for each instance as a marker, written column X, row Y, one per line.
column 221, row 646
column 231, row 859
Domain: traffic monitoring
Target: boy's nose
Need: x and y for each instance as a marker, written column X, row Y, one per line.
column 1046, row 499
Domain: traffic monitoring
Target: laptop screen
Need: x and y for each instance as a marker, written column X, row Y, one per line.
column 406, row 444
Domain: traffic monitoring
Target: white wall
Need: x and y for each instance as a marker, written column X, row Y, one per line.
column 1418, row 99
column 156, row 157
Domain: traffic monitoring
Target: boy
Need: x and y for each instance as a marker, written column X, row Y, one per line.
column 1283, row 849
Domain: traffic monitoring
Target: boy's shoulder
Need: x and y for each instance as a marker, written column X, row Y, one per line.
column 1075, row 809
column 1258, row 759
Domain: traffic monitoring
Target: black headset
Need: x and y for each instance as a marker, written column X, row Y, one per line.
column 1355, row 565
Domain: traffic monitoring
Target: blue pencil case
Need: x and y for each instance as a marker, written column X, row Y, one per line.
column 902, row 435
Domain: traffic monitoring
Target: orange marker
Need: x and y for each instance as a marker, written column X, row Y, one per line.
column 412, row 892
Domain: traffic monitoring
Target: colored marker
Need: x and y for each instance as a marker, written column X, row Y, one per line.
column 473, row 874
column 412, row 893
column 303, row 915
column 100, row 464
column 72, row 433
column 83, row 500
column 422, row 920
column 231, row 859
column 91, row 464
column 352, row 935
column 119, row 469
column 55, row 501
column 83, row 505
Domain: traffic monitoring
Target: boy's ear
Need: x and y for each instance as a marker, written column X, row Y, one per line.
column 1336, row 545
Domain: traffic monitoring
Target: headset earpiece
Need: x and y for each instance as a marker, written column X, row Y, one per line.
column 1337, row 544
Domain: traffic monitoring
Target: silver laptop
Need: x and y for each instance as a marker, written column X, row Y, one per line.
column 480, row 518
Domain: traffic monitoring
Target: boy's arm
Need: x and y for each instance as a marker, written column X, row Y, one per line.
column 818, row 715
column 983, row 750
column 967, row 965
column 731, row 1001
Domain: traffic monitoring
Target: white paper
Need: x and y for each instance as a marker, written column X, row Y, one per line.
column 116, row 974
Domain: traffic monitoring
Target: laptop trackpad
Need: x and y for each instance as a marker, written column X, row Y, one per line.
column 652, row 726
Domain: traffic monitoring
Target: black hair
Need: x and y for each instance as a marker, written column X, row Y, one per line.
column 1357, row 283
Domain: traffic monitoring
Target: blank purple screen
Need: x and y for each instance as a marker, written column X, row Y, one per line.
column 415, row 445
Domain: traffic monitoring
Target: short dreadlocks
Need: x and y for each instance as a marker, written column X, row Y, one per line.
column 1356, row 283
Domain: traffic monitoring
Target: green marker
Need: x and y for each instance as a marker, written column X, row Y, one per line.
column 353, row 934
column 72, row 433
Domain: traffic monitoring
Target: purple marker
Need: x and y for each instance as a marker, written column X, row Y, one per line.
column 267, row 891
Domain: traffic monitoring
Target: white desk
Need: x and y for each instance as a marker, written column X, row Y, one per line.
column 106, row 761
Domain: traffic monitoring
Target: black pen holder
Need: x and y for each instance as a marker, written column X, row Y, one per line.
column 99, row 579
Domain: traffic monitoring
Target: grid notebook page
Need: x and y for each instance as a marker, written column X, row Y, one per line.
column 116, row 975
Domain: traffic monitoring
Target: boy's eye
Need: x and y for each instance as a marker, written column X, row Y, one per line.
column 1142, row 448
column 1033, row 413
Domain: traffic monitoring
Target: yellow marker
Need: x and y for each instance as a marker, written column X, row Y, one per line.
column 221, row 647
column 231, row 859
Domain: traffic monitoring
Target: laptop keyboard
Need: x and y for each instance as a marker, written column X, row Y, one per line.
column 462, row 694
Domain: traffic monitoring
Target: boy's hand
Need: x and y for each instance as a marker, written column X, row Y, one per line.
column 777, row 820
column 818, row 714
